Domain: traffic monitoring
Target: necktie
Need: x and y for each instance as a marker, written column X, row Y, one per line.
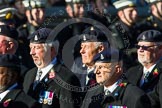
column 37, row 79
column 107, row 92
column 146, row 77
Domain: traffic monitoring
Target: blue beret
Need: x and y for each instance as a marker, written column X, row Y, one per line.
column 150, row 36
column 108, row 56
column 9, row 60
column 8, row 31
column 93, row 34
column 40, row 36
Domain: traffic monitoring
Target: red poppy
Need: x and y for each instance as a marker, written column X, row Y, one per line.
column 6, row 103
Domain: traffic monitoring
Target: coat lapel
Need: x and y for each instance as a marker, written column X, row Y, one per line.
column 139, row 73
column 11, row 95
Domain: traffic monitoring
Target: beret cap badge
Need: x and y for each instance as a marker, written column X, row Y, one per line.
column 92, row 28
column 143, row 37
column 36, row 37
column 84, row 38
column 102, row 57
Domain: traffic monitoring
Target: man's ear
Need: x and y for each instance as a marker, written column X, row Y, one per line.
column 118, row 68
column 69, row 10
column 100, row 48
column 10, row 45
column 120, row 14
column 153, row 7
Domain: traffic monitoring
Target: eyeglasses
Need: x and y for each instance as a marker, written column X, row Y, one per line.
column 105, row 67
column 144, row 47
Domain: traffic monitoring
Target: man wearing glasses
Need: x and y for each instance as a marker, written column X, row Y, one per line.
column 149, row 50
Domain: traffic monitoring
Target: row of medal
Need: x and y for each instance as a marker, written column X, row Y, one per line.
column 46, row 97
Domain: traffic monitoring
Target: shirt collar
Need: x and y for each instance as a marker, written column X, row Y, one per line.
column 46, row 69
column 3, row 94
column 148, row 70
column 112, row 87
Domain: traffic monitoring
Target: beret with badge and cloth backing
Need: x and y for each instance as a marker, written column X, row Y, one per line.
column 93, row 34
column 9, row 31
column 40, row 36
column 150, row 36
column 10, row 60
column 109, row 55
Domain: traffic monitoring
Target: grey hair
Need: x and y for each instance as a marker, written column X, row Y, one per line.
column 105, row 44
column 54, row 44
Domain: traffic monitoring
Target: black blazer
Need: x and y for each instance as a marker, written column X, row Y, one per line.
column 130, row 96
column 64, row 85
column 18, row 99
column 134, row 76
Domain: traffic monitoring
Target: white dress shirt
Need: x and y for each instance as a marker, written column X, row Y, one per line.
column 3, row 94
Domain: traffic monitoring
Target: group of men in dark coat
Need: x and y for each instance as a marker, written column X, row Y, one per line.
column 57, row 86
column 103, row 83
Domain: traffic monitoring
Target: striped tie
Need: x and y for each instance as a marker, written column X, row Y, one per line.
column 107, row 92
column 37, row 79
column 146, row 77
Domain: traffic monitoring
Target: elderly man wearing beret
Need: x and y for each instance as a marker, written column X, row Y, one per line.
column 50, row 82
column 114, row 90
column 93, row 41
column 10, row 94
column 149, row 50
column 126, row 29
column 9, row 45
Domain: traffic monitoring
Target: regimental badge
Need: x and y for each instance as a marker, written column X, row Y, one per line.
column 84, row 38
column 36, row 37
column 143, row 37
column 9, row 15
column 46, row 79
column 101, row 57
column 92, row 28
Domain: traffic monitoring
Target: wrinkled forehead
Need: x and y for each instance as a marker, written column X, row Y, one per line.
column 146, row 43
column 36, row 44
column 103, row 64
column 89, row 43
column 129, row 9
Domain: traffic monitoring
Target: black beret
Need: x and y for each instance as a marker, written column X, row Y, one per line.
column 93, row 34
column 150, row 36
column 40, row 36
column 8, row 31
column 108, row 56
column 9, row 60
